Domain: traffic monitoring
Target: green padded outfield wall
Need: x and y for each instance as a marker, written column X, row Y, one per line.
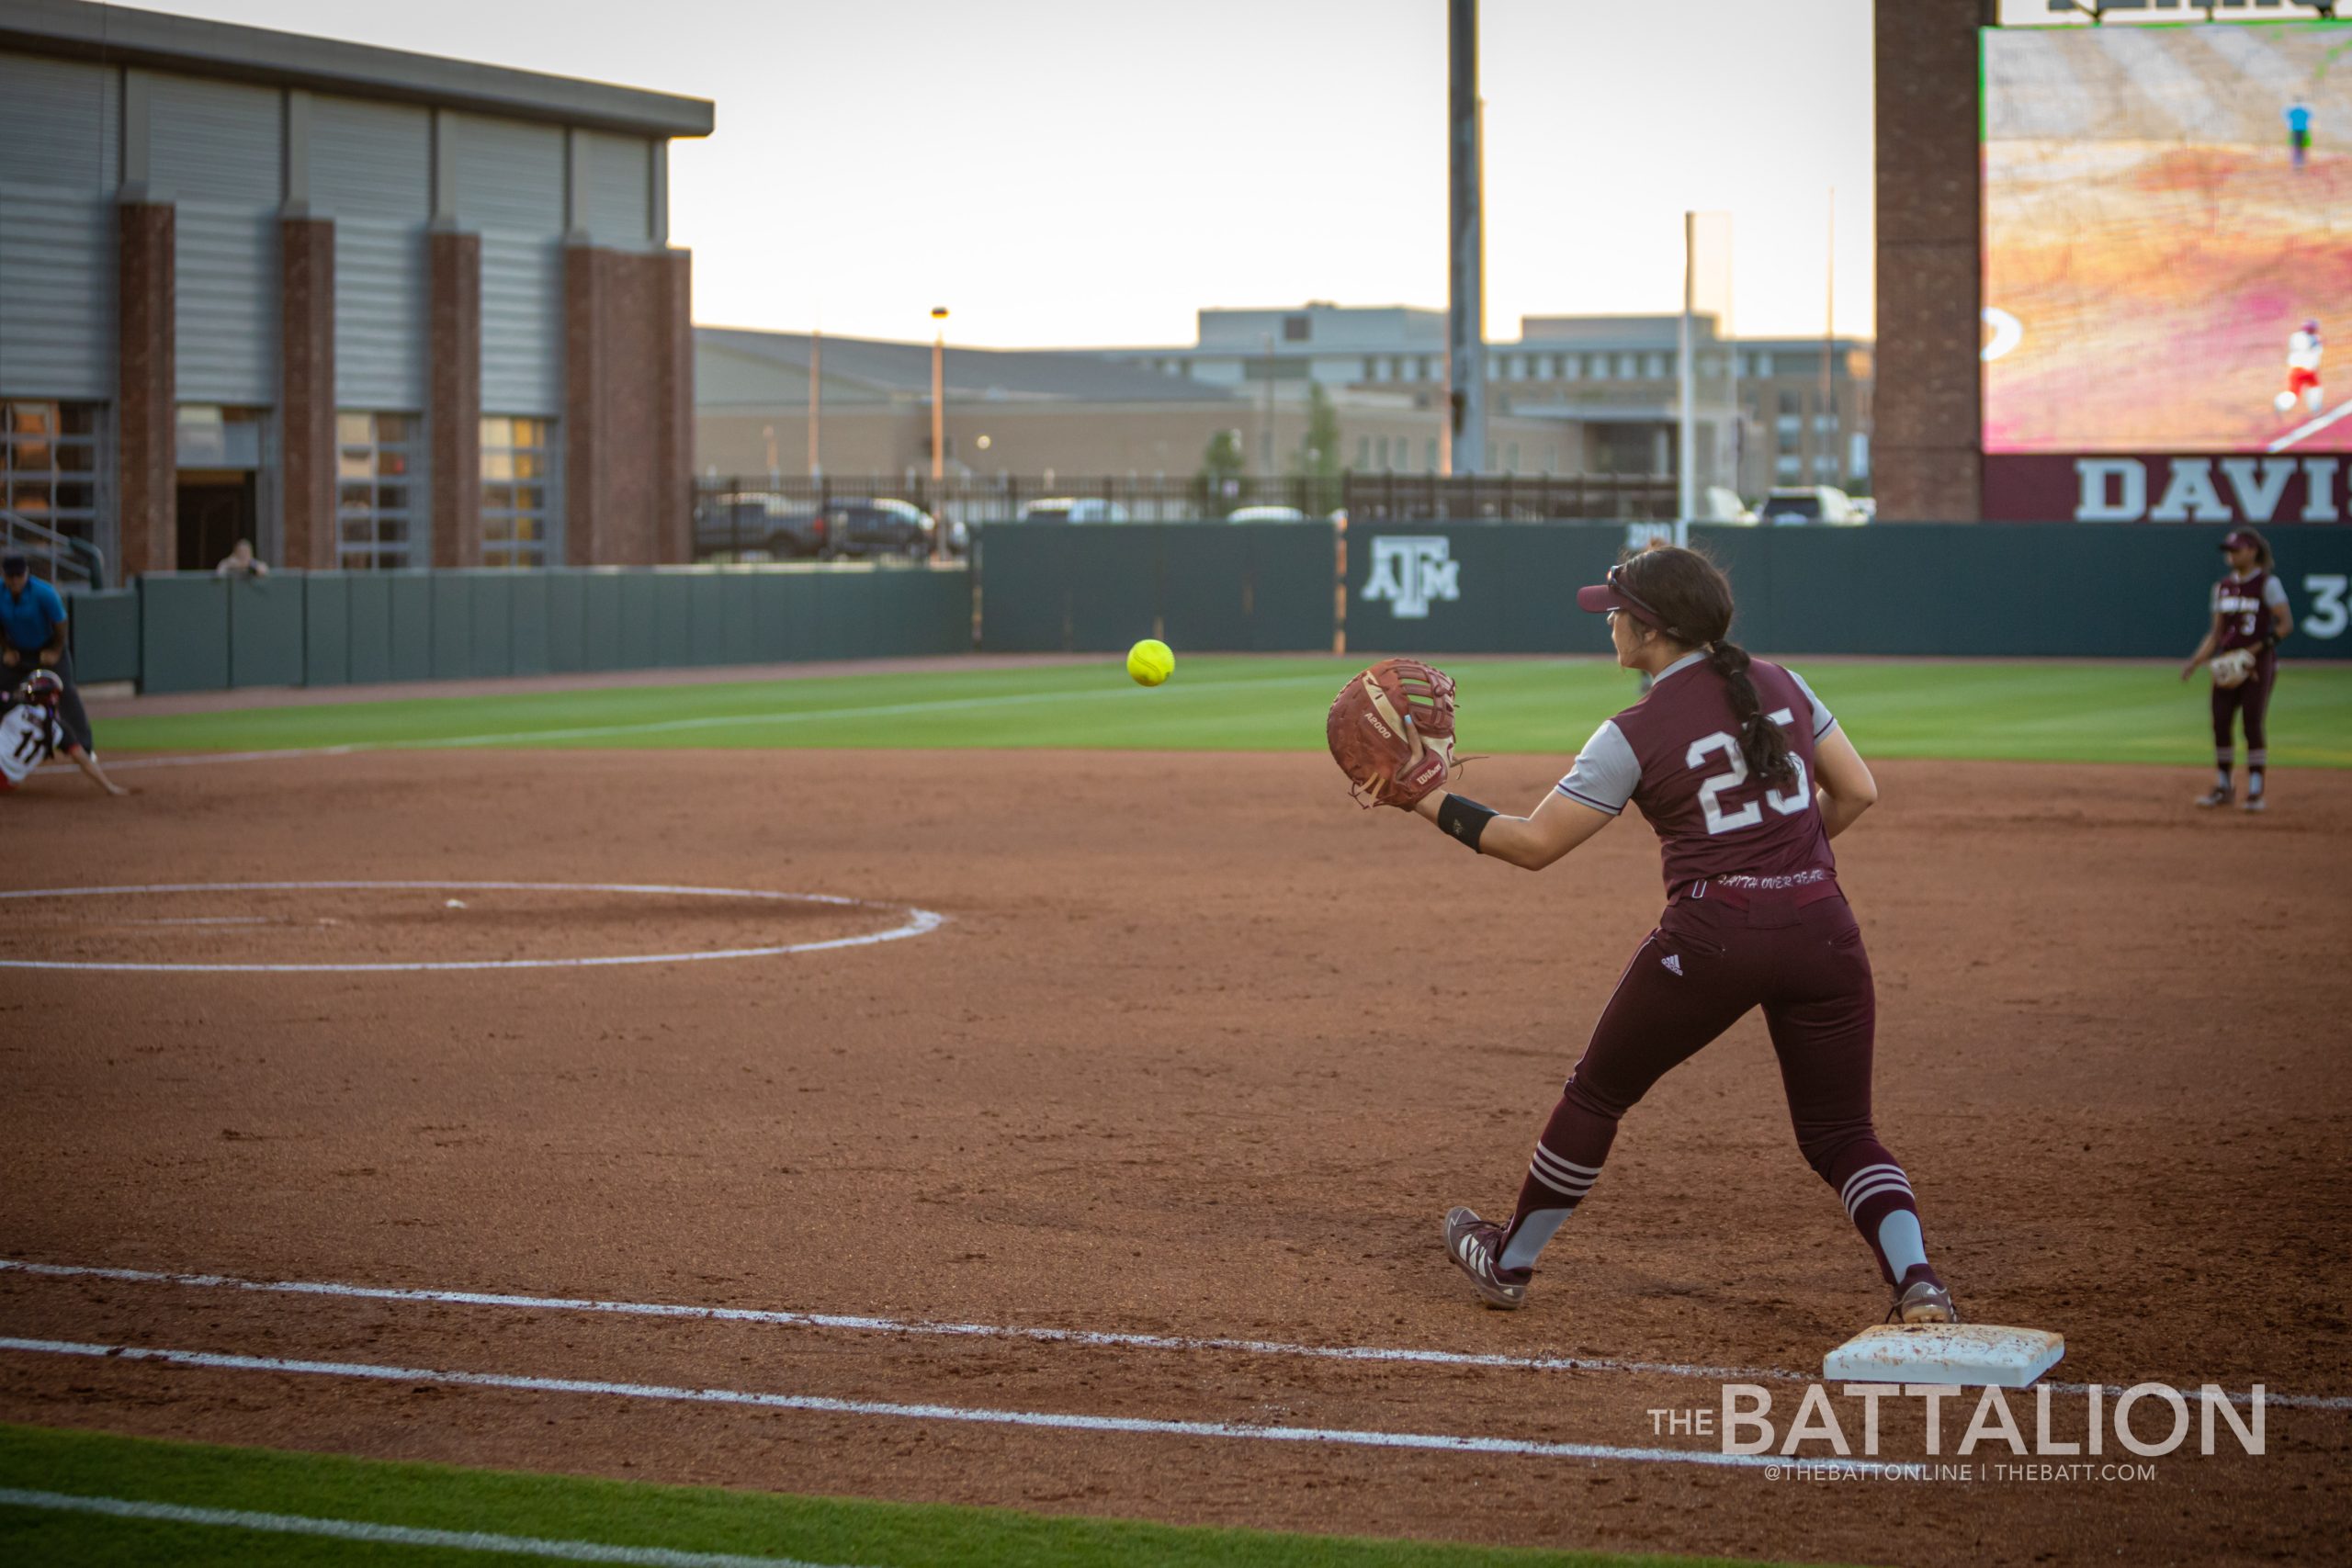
column 106, row 634
column 2079, row 590
column 494, row 623
column 195, row 632
column 410, row 626
column 1095, row 588
column 265, row 631
column 182, row 633
column 326, row 629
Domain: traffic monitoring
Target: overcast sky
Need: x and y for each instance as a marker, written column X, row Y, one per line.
column 1094, row 171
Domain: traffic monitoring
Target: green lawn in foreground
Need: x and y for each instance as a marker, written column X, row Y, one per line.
column 2076, row 713
column 689, row 1519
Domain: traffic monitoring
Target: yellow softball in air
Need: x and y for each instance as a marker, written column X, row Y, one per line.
column 1151, row 661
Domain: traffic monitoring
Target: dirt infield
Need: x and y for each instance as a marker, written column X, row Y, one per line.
column 1200, row 1050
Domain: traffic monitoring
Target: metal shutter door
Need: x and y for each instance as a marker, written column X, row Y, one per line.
column 620, row 191
column 216, row 150
column 60, row 121
column 510, row 184
column 371, row 170
column 226, row 305
column 522, row 325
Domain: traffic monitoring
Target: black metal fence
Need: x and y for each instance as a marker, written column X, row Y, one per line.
column 771, row 516
column 1510, row 498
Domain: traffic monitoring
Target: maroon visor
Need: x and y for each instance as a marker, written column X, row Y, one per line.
column 1614, row 595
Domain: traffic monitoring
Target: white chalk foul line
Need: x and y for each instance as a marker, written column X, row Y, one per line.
column 2311, row 427
column 1055, row 1420
column 386, row 1535
column 1084, row 1337
column 703, row 721
column 916, row 923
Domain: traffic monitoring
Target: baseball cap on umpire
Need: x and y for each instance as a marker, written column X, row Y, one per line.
column 1613, row 594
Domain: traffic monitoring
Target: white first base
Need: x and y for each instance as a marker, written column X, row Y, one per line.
column 1974, row 1354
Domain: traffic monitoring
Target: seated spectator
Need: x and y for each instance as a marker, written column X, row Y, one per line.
column 241, row 562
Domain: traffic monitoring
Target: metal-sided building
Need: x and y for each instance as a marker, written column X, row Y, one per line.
column 365, row 307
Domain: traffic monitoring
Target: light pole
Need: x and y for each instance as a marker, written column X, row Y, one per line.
column 938, row 429
column 938, row 396
column 815, row 405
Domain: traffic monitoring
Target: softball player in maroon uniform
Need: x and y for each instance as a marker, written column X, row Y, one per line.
column 1745, row 777
column 2250, row 612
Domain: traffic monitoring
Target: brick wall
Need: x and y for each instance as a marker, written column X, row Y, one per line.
column 147, row 416
column 1926, row 452
column 628, row 398
column 306, row 250
column 453, row 264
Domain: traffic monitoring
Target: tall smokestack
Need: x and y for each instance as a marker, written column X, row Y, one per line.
column 1466, row 354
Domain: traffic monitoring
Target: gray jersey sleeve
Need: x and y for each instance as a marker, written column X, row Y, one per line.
column 1605, row 773
column 1823, row 720
column 2273, row 590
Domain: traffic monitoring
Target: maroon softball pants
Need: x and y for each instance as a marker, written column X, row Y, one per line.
column 1712, row 958
column 2249, row 700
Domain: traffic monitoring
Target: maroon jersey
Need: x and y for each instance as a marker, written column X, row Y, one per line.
column 2244, row 603
column 1676, row 755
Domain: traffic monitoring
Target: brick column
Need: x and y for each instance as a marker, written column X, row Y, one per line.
column 629, row 406
column 146, row 408
column 586, row 501
column 1926, row 447
column 673, row 456
column 306, row 300
column 453, row 394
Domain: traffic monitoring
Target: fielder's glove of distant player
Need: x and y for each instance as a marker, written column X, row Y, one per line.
column 2235, row 668
column 1391, row 731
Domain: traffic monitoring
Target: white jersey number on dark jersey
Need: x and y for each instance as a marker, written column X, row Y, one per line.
column 1788, row 802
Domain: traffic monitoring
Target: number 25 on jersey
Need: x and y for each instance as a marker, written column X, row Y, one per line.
column 1788, row 802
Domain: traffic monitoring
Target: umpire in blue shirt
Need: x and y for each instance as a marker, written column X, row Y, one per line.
column 32, row 636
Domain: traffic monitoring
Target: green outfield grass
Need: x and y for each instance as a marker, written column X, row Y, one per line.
column 2069, row 713
column 849, row 1532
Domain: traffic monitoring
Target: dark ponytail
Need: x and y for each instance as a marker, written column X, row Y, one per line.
column 1762, row 744
column 1692, row 596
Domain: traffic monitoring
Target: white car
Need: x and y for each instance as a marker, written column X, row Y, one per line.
column 1074, row 509
column 1266, row 515
column 1793, row 504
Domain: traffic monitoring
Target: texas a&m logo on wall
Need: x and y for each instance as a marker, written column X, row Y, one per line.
column 1410, row 571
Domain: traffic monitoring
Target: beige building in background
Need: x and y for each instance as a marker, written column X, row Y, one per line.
column 1572, row 396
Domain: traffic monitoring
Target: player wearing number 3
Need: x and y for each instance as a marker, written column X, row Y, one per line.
column 2250, row 617
column 1745, row 778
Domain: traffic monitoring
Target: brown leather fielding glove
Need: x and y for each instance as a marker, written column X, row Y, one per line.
column 1391, row 731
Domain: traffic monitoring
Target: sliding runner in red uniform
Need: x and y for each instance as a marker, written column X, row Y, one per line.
column 1745, row 778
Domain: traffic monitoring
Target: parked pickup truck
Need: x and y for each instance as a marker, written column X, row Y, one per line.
column 757, row 525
